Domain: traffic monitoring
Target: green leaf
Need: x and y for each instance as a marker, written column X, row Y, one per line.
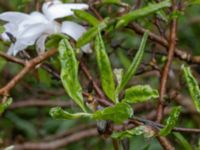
column 116, row 2
column 91, row 33
column 140, row 93
column 134, row 65
column 86, row 17
column 103, row 62
column 59, row 113
column 151, row 8
column 69, row 73
column 2, row 29
column 140, row 130
column 117, row 113
column 5, row 105
column 193, row 87
column 171, row 121
column 183, row 142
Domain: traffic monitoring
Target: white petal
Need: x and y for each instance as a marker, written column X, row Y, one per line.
column 17, row 47
column 4, row 37
column 35, row 31
column 75, row 31
column 13, row 17
column 86, row 48
column 34, row 18
column 40, row 44
column 54, row 10
column 72, row 29
column 28, row 37
column 11, row 28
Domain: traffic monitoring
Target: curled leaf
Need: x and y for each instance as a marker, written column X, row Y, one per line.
column 140, row 130
column 140, row 93
column 171, row 121
column 69, row 73
column 105, row 69
column 193, row 87
column 134, row 65
column 117, row 113
column 59, row 113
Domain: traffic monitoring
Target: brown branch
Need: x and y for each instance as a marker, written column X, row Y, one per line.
column 40, row 103
column 166, row 68
column 12, row 59
column 89, row 76
column 181, row 54
column 69, row 132
column 159, row 126
column 28, row 67
column 56, row 144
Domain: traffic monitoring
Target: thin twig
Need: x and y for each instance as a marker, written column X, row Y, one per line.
column 28, row 67
column 56, row 144
column 166, row 68
column 181, row 54
column 40, row 103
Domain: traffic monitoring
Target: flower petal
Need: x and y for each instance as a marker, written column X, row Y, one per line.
column 40, row 43
column 86, row 48
column 34, row 18
column 55, row 9
column 29, row 36
column 13, row 17
column 72, row 29
column 75, row 31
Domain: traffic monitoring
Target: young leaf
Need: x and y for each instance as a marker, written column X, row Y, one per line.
column 91, row 33
column 134, row 65
column 193, row 87
column 171, row 121
column 103, row 62
column 117, row 113
column 87, row 17
column 69, row 73
column 5, row 105
column 140, row 130
column 151, row 8
column 59, row 113
column 140, row 93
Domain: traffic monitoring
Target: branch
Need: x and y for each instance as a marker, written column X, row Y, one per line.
column 56, row 144
column 166, row 68
column 28, row 67
column 40, row 103
column 181, row 54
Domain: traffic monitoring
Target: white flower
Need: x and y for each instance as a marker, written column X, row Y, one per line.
column 27, row 29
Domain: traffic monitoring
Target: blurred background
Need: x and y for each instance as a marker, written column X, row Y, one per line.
column 28, row 119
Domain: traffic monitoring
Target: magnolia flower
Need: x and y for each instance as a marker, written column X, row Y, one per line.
column 24, row 30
